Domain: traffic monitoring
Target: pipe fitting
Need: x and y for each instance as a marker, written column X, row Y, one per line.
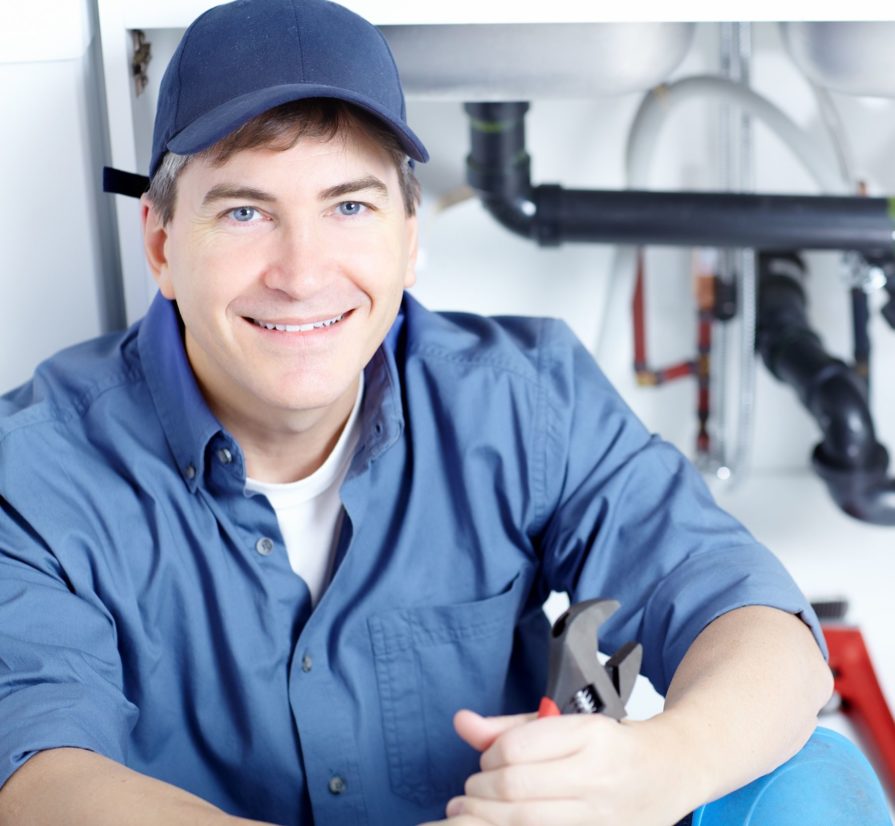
column 849, row 459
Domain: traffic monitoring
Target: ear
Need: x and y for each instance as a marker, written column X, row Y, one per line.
column 413, row 248
column 155, row 237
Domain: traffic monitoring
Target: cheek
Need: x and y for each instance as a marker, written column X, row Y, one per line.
column 211, row 273
column 378, row 264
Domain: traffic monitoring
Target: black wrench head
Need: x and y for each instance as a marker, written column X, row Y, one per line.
column 574, row 665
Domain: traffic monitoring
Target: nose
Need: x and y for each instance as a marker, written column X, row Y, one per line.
column 297, row 261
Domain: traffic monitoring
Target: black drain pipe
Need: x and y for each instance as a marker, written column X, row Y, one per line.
column 499, row 169
column 498, row 166
column 850, row 460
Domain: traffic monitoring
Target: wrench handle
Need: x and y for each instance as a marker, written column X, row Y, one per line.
column 548, row 708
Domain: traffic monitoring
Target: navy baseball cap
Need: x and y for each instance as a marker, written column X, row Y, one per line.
column 240, row 59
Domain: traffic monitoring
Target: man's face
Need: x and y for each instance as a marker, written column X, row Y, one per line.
column 288, row 269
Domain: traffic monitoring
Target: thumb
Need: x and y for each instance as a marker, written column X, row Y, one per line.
column 480, row 732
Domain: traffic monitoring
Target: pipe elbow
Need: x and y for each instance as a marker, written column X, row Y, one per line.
column 515, row 214
column 839, row 404
column 865, row 493
column 850, row 461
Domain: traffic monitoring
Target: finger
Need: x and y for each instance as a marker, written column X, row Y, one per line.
column 534, row 812
column 460, row 820
column 550, row 780
column 480, row 732
column 548, row 738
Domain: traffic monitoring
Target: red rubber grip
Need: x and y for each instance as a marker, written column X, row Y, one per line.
column 548, row 708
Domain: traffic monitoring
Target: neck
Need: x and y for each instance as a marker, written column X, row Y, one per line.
column 292, row 450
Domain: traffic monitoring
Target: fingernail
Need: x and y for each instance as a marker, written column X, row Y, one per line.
column 454, row 807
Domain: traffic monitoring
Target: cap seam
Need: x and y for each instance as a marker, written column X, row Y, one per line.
column 301, row 45
column 391, row 57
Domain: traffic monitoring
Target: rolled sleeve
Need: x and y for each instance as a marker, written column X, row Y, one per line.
column 60, row 671
column 708, row 584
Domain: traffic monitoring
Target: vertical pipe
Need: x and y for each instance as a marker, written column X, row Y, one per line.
column 747, row 284
column 735, row 266
column 717, row 462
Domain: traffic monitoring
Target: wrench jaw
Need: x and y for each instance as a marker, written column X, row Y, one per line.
column 578, row 683
column 623, row 667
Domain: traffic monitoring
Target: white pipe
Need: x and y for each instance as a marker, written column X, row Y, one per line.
column 832, row 120
column 659, row 103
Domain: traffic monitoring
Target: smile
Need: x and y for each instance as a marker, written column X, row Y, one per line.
column 299, row 328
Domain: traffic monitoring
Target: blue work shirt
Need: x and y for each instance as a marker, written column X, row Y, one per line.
column 148, row 610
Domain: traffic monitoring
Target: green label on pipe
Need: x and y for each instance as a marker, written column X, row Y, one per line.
column 491, row 126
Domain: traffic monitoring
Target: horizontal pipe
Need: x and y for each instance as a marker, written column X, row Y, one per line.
column 693, row 219
column 498, row 168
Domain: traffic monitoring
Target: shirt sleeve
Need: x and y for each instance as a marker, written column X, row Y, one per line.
column 629, row 518
column 60, row 672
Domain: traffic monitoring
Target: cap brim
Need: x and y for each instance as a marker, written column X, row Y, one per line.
column 226, row 118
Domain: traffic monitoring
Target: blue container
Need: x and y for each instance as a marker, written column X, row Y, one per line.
column 828, row 783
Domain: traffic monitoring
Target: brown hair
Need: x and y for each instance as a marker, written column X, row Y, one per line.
column 280, row 129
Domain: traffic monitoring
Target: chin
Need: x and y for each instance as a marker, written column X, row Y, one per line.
column 300, row 400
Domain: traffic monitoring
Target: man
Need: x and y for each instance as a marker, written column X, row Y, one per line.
column 258, row 551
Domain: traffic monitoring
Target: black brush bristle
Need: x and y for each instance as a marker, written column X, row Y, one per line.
column 830, row 609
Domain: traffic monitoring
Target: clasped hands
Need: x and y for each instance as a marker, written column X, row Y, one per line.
column 583, row 769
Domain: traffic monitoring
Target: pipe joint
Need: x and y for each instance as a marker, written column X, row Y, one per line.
column 849, row 460
column 838, row 402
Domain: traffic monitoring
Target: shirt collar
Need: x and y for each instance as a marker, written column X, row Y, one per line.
column 188, row 423
column 382, row 418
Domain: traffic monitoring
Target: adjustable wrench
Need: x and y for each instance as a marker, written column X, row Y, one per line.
column 577, row 682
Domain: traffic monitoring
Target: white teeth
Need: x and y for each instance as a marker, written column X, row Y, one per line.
column 299, row 328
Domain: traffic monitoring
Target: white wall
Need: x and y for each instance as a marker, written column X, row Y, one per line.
column 55, row 236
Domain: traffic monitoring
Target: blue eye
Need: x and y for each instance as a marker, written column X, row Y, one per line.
column 243, row 214
column 351, row 208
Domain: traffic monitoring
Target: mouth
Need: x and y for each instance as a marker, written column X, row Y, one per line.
column 298, row 328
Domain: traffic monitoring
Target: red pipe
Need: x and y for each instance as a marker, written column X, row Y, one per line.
column 645, row 374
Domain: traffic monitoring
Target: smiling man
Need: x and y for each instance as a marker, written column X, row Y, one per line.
column 278, row 552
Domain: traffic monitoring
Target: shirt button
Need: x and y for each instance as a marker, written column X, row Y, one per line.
column 264, row 546
column 307, row 663
column 225, row 456
column 190, row 472
column 337, row 785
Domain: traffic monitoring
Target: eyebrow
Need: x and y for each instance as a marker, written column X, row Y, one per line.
column 225, row 192
column 350, row 187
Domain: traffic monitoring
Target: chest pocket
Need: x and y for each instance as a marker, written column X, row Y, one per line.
column 430, row 662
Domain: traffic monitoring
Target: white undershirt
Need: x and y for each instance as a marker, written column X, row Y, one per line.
column 309, row 511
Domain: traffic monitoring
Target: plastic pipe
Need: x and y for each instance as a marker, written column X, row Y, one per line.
column 690, row 219
column 662, row 101
column 849, row 459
